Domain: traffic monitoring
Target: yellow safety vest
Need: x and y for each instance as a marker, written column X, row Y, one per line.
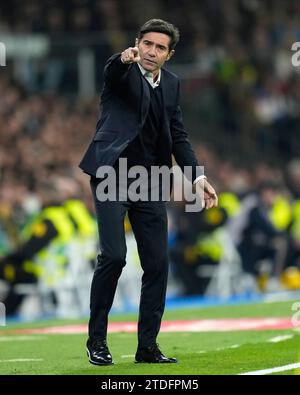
column 295, row 228
column 281, row 213
column 81, row 216
column 230, row 202
column 65, row 231
column 209, row 246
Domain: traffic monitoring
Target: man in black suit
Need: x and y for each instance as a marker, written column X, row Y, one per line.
column 141, row 122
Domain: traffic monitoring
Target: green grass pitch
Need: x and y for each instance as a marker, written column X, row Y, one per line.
column 202, row 353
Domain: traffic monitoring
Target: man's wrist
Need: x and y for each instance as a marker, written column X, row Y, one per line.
column 202, row 177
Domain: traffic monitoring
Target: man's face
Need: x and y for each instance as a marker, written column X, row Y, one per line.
column 154, row 51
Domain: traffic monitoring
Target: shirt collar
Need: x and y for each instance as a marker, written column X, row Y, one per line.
column 149, row 77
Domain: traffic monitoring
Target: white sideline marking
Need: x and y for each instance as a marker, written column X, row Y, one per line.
column 20, row 338
column 22, row 360
column 278, row 339
column 218, row 349
column 127, row 356
column 226, row 348
column 272, row 370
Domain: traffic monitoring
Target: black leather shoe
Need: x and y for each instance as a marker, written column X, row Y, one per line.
column 98, row 352
column 152, row 354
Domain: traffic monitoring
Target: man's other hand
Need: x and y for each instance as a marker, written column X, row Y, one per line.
column 207, row 193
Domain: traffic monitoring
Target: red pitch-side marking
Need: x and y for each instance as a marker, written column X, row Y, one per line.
column 214, row 325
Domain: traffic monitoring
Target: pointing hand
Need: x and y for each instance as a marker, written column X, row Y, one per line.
column 131, row 54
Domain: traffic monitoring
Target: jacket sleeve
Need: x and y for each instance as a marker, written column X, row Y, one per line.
column 181, row 148
column 115, row 70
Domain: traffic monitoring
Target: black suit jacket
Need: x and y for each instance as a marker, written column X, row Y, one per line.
column 124, row 106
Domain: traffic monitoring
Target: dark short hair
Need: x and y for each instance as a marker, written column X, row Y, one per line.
column 161, row 26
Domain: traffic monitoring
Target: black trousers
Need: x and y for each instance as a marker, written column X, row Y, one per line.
column 149, row 224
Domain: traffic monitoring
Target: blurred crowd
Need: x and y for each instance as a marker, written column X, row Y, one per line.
column 241, row 105
column 234, row 58
column 41, row 135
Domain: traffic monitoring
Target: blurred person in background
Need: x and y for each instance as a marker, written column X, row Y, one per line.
column 196, row 249
column 255, row 234
column 293, row 180
column 51, row 242
column 18, row 266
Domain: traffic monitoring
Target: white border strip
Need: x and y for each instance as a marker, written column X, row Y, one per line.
column 272, row 370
